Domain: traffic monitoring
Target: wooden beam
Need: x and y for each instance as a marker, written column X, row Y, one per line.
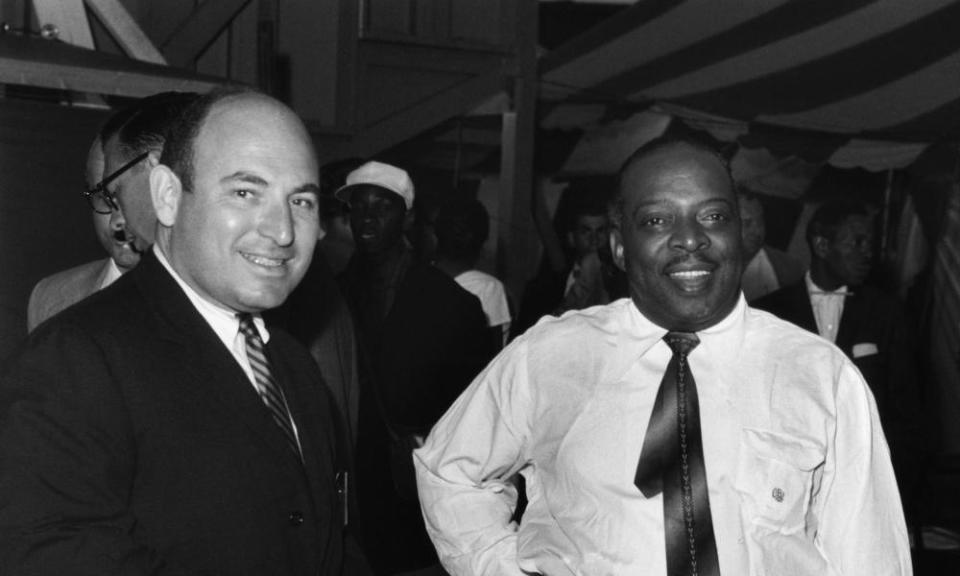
column 426, row 114
column 36, row 62
column 94, row 80
column 517, row 242
column 200, row 30
column 125, row 30
column 69, row 17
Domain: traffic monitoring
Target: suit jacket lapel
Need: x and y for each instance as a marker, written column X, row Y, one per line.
column 222, row 383
column 803, row 310
column 314, row 421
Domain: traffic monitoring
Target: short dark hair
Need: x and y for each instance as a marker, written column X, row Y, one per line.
column 144, row 126
column 178, row 152
column 830, row 216
column 462, row 227
column 691, row 140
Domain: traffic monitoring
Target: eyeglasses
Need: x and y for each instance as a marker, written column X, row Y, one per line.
column 100, row 199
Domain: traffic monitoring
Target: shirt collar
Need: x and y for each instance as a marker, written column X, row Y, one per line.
column 722, row 340
column 111, row 274
column 815, row 290
column 224, row 322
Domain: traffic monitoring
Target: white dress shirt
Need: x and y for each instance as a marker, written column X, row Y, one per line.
column 799, row 474
column 492, row 295
column 827, row 307
column 490, row 291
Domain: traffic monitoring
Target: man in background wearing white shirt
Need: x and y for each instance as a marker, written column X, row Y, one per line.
column 787, row 471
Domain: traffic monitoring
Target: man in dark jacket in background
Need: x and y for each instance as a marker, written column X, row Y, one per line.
column 423, row 338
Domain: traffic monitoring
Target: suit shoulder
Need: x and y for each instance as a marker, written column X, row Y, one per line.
column 71, row 277
column 62, row 289
column 438, row 289
column 781, row 298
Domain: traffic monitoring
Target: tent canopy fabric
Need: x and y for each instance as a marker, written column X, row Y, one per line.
column 875, row 81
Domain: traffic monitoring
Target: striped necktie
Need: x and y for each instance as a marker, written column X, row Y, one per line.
column 270, row 392
column 671, row 461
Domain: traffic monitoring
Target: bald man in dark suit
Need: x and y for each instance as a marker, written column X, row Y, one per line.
column 160, row 427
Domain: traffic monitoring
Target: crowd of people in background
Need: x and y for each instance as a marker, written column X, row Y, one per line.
column 278, row 371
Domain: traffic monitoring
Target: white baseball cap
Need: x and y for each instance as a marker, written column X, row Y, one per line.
column 382, row 175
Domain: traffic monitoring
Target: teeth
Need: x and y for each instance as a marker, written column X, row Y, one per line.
column 690, row 273
column 264, row 261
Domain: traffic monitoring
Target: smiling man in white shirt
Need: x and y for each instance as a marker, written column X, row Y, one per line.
column 793, row 475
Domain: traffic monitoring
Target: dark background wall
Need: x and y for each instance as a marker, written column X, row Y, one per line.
column 45, row 224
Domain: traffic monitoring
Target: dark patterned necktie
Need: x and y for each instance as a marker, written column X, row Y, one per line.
column 672, row 462
column 270, row 392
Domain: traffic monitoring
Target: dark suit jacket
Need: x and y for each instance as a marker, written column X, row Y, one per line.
column 133, row 443
column 317, row 315
column 415, row 363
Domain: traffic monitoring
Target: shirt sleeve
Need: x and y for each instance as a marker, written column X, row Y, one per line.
column 862, row 528
column 465, row 466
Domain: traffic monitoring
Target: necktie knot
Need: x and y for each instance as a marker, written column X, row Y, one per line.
column 682, row 343
column 247, row 327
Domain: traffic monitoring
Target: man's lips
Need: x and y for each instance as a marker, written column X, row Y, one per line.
column 690, row 276
column 264, row 260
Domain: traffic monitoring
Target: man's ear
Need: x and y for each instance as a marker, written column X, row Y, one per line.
column 408, row 218
column 165, row 191
column 616, row 248
column 820, row 247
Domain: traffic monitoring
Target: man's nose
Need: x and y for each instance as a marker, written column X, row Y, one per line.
column 117, row 221
column 277, row 223
column 689, row 235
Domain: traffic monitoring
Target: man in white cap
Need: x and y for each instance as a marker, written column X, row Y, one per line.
column 423, row 338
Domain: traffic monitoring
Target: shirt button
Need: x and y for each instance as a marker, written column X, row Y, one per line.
column 296, row 518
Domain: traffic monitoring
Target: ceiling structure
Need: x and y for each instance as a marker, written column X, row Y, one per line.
column 866, row 83
column 62, row 55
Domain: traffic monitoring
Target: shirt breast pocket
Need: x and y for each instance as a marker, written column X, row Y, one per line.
column 774, row 479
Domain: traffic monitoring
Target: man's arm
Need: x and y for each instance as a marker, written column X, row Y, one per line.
column 67, row 464
column 862, row 529
column 464, row 467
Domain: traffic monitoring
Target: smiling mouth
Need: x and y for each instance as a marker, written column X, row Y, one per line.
column 264, row 261
column 690, row 280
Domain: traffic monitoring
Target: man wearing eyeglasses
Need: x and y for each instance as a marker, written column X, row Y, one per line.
column 132, row 143
column 117, row 175
column 58, row 291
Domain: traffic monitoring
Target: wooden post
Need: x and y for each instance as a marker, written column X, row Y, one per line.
column 517, row 241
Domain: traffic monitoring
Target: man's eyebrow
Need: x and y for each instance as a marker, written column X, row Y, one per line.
column 250, row 178
column 310, row 187
column 243, row 176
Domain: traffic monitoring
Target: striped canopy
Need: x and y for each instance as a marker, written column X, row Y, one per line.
column 871, row 81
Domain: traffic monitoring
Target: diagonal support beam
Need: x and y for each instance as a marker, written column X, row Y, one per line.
column 200, row 30
column 426, row 114
column 69, row 17
column 125, row 30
